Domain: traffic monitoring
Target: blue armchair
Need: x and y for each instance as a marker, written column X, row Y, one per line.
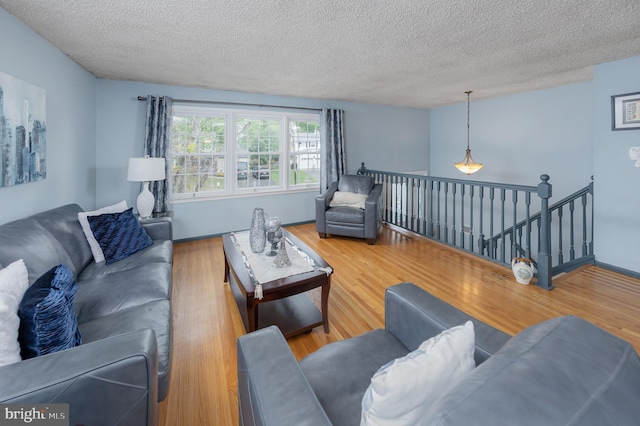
column 351, row 207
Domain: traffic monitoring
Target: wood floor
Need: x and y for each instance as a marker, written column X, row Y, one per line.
column 203, row 389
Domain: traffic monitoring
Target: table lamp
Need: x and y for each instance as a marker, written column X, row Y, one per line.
column 145, row 169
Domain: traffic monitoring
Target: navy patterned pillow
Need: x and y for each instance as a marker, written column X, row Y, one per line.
column 48, row 322
column 119, row 234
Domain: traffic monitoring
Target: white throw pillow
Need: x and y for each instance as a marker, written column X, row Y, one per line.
column 348, row 199
column 98, row 255
column 14, row 280
column 401, row 391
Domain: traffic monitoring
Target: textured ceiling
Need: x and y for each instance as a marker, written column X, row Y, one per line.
column 416, row 53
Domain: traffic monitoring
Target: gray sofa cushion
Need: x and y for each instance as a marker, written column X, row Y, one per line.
column 340, row 373
column 562, row 371
column 63, row 224
column 103, row 295
column 160, row 252
column 39, row 249
column 45, row 240
column 154, row 315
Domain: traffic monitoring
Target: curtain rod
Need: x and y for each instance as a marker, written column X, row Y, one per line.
column 190, row 101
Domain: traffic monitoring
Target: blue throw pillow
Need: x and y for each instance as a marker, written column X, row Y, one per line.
column 48, row 322
column 119, row 234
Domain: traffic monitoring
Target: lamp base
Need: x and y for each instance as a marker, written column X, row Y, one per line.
column 145, row 202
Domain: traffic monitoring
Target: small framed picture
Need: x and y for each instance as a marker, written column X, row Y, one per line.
column 625, row 111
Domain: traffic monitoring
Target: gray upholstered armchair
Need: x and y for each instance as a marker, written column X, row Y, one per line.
column 351, row 207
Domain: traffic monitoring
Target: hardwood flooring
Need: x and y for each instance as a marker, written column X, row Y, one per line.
column 203, row 389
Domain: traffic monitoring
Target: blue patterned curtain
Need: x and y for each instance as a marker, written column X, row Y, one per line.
column 157, row 142
column 332, row 159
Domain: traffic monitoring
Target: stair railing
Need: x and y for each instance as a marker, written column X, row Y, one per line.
column 492, row 220
column 567, row 233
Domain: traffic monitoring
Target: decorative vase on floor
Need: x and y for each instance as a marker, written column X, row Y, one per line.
column 257, row 235
column 523, row 269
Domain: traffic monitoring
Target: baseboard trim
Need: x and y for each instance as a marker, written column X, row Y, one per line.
column 623, row 271
column 205, row 237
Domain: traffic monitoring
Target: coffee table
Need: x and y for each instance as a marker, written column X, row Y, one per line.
column 284, row 303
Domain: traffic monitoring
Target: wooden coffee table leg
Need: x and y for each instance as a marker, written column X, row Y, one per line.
column 324, row 303
column 226, row 268
column 252, row 314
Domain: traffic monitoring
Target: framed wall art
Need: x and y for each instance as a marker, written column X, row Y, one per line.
column 23, row 132
column 625, row 111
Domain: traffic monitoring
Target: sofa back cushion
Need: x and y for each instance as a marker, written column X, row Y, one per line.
column 561, row 371
column 45, row 240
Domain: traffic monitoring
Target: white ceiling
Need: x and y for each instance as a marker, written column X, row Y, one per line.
column 415, row 53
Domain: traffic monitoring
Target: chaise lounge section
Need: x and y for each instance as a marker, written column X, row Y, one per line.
column 561, row 371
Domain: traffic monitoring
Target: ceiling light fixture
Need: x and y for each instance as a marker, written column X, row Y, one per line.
column 467, row 165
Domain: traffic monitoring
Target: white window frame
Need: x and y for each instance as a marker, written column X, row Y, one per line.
column 231, row 187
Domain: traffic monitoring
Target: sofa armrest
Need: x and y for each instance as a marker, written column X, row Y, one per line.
column 272, row 390
column 159, row 228
column 413, row 315
column 110, row 381
column 322, row 204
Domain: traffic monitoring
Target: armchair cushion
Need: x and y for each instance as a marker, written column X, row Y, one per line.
column 350, row 215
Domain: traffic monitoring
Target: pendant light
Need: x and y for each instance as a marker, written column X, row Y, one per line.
column 467, row 165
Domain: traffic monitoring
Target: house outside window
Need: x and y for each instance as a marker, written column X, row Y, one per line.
column 218, row 153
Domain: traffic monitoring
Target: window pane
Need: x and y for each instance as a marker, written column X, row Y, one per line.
column 191, row 164
column 198, row 148
column 304, row 149
column 178, row 184
column 257, row 135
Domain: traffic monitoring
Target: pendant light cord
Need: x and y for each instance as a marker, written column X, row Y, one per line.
column 468, row 114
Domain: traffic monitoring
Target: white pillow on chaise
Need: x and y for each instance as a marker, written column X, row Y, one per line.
column 402, row 391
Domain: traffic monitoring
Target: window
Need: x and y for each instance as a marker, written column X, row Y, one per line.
column 219, row 153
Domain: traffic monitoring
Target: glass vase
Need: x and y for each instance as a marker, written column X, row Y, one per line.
column 257, row 235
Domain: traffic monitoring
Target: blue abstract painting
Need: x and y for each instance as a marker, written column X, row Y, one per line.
column 23, row 132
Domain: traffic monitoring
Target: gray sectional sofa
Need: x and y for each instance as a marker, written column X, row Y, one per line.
column 564, row 371
column 122, row 368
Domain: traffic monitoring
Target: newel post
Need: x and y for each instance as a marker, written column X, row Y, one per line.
column 544, row 251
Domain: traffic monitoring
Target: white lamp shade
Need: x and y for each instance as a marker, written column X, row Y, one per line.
column 145, row 169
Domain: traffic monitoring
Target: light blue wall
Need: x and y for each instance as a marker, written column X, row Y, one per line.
column 520, row 137
column 389, row 138
column 71, row 122
column 616, row 181
column 564, row 132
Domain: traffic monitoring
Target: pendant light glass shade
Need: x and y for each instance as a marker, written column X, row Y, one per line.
column 467, row 165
